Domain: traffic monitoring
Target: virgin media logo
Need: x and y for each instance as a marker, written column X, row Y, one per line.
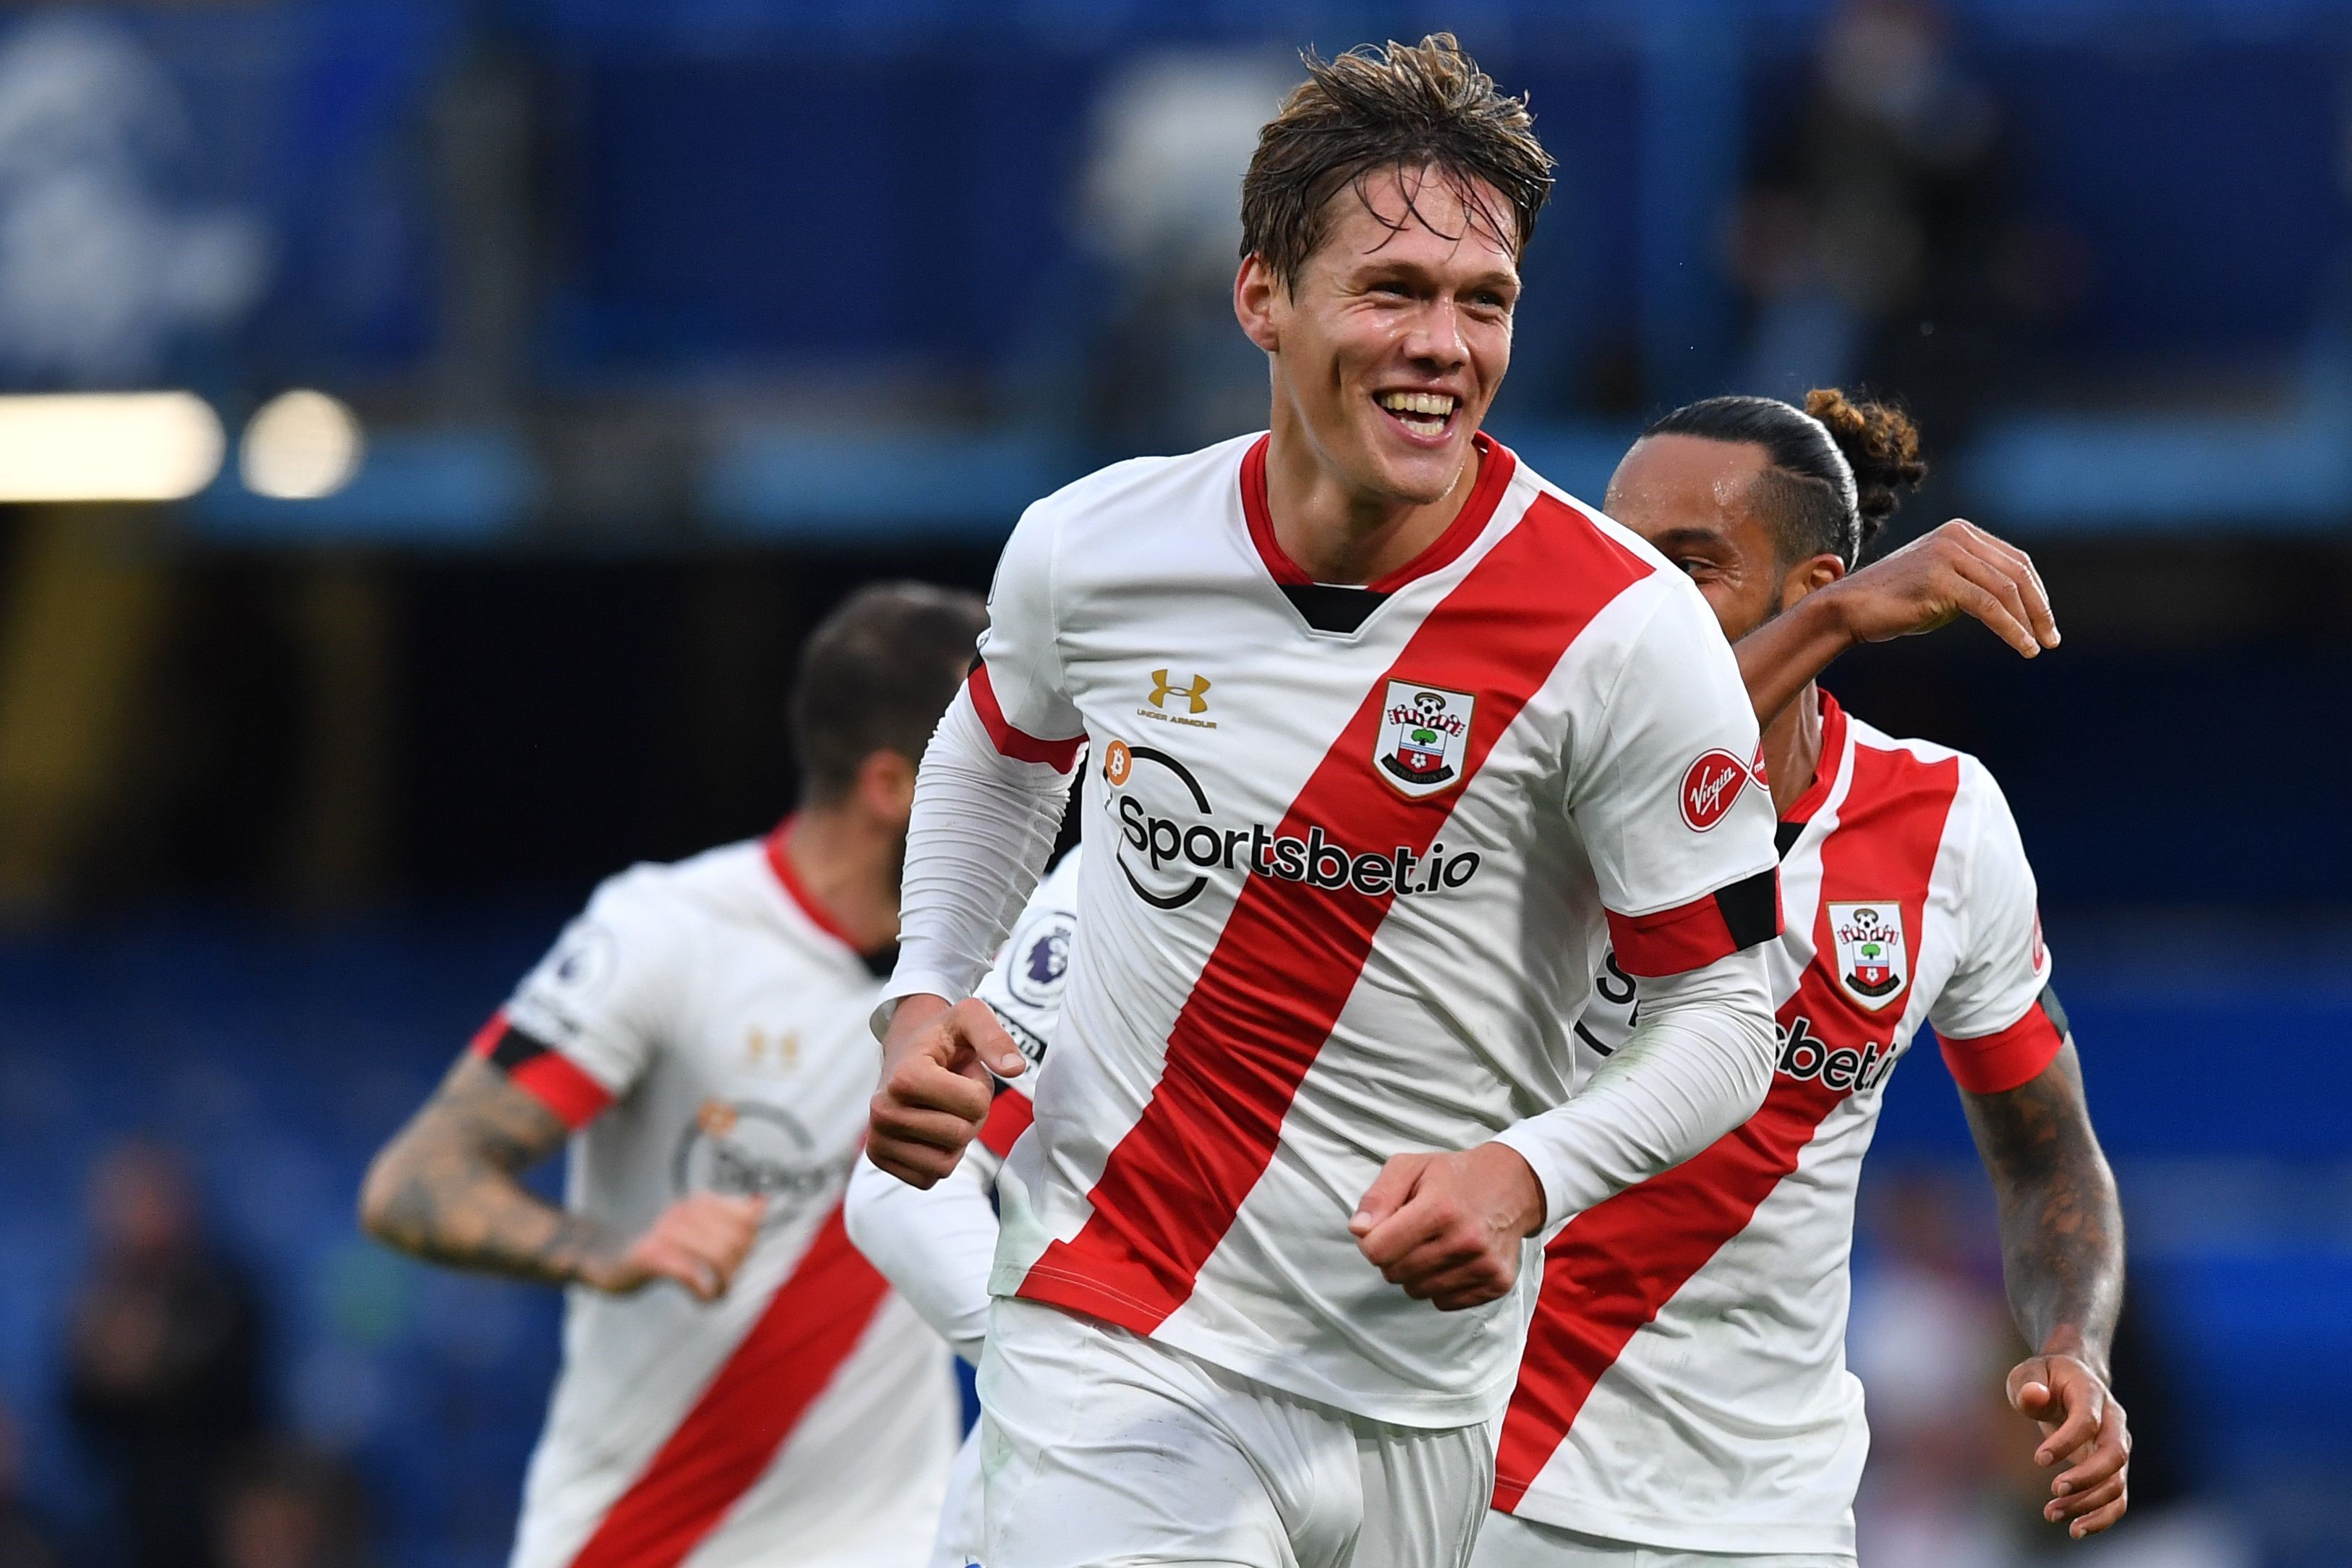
column 1710, row 787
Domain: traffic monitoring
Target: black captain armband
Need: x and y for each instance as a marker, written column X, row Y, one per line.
column 550, row 1077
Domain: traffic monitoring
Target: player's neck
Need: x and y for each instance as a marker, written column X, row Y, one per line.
column 848, row 863
column 1792, row 749
column 1336, row 534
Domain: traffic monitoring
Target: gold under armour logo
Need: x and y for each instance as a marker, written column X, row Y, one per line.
column 1197, row 693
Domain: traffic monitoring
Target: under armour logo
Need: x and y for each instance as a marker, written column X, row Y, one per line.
column 1196, row 693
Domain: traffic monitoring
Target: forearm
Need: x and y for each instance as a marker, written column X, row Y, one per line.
column 2062, row 1228
column 935, row 1246
column 1696, row 1065
column 983, row 825
column 448, row 1189
column 1780, row 656
column 464, row 1214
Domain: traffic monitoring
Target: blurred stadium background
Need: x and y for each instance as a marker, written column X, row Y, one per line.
column 542, row 367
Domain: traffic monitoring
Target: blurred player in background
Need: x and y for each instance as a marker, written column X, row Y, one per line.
column 739, row 1385
column 1390, row 736
column 1684, row 1398
column 935, row 1246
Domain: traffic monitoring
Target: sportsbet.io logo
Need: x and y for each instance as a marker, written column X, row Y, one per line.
column 1169, row 841
column 1806, row 1056
column 745, row 1149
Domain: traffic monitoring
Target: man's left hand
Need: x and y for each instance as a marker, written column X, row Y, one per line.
column 1448, row 1227
column 2083, row 1427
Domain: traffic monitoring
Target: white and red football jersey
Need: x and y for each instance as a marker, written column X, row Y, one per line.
column 703, row 1026
column 1684, row 1383
column 1023, row 988
column 1353, row 856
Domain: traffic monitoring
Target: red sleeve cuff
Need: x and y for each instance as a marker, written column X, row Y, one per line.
column 542, row 1071
column 1008, row 1118
column 1997, row 1063
column 1693, row 935
column 1018, row 745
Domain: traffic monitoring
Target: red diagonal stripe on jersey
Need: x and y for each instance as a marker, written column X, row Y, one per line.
column 1289, row 954
column 727, row 1441
column 1009, row 1116
column 1614, row 1266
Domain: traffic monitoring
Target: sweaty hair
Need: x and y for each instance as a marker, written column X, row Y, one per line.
column 1839, row 467
column 874, row 675
column 1408, row 106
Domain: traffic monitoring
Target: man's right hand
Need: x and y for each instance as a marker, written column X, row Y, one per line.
column 935, row 1090
column 2083, row 1427
column 699, row 1241
column 1958, row 569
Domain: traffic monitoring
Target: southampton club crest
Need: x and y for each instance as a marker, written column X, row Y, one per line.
column 1872, row 964
column 1425, row 735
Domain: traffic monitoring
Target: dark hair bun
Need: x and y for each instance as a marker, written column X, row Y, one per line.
column 1881, row 445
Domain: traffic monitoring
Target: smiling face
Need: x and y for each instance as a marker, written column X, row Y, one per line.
column 1390, row 344
column 1695, row 501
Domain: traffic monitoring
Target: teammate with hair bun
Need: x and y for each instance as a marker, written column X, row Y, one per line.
column 1958, row 569
column 1684, row 1398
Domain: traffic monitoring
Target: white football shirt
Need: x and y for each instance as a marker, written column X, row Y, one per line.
column 703, row 1026
column 1684, row 1383
column 1352, row 858
column 1023, row 988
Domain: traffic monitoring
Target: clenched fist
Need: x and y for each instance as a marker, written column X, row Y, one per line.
column 936, row 1089
column 1448, row 1227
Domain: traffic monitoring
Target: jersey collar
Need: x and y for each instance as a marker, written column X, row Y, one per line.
column 1825, row 773
column 1495, row 463
column 797, row 891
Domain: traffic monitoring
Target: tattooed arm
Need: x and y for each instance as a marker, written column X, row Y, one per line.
column 448, row 1189
column 2062, row 1235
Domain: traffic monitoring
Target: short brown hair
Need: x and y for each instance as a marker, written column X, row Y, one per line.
column 875, row 675
column 1405, row 106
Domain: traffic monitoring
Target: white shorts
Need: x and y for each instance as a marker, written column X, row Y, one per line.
column 1510, row 1541
column 1101, row 1449
column 958, row 1545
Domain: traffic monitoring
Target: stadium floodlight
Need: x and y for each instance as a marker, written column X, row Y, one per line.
column 125, row 446
column 301, row 444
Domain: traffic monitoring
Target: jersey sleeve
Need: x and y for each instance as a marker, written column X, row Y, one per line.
column 1670, row 804
column 992, row 787
column 1024, row 989
column 936, row 1246
column 1016, row 683
column 1697, row 1065
column 1997, row 1019
column 583, row 1026
column 1025, row 985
